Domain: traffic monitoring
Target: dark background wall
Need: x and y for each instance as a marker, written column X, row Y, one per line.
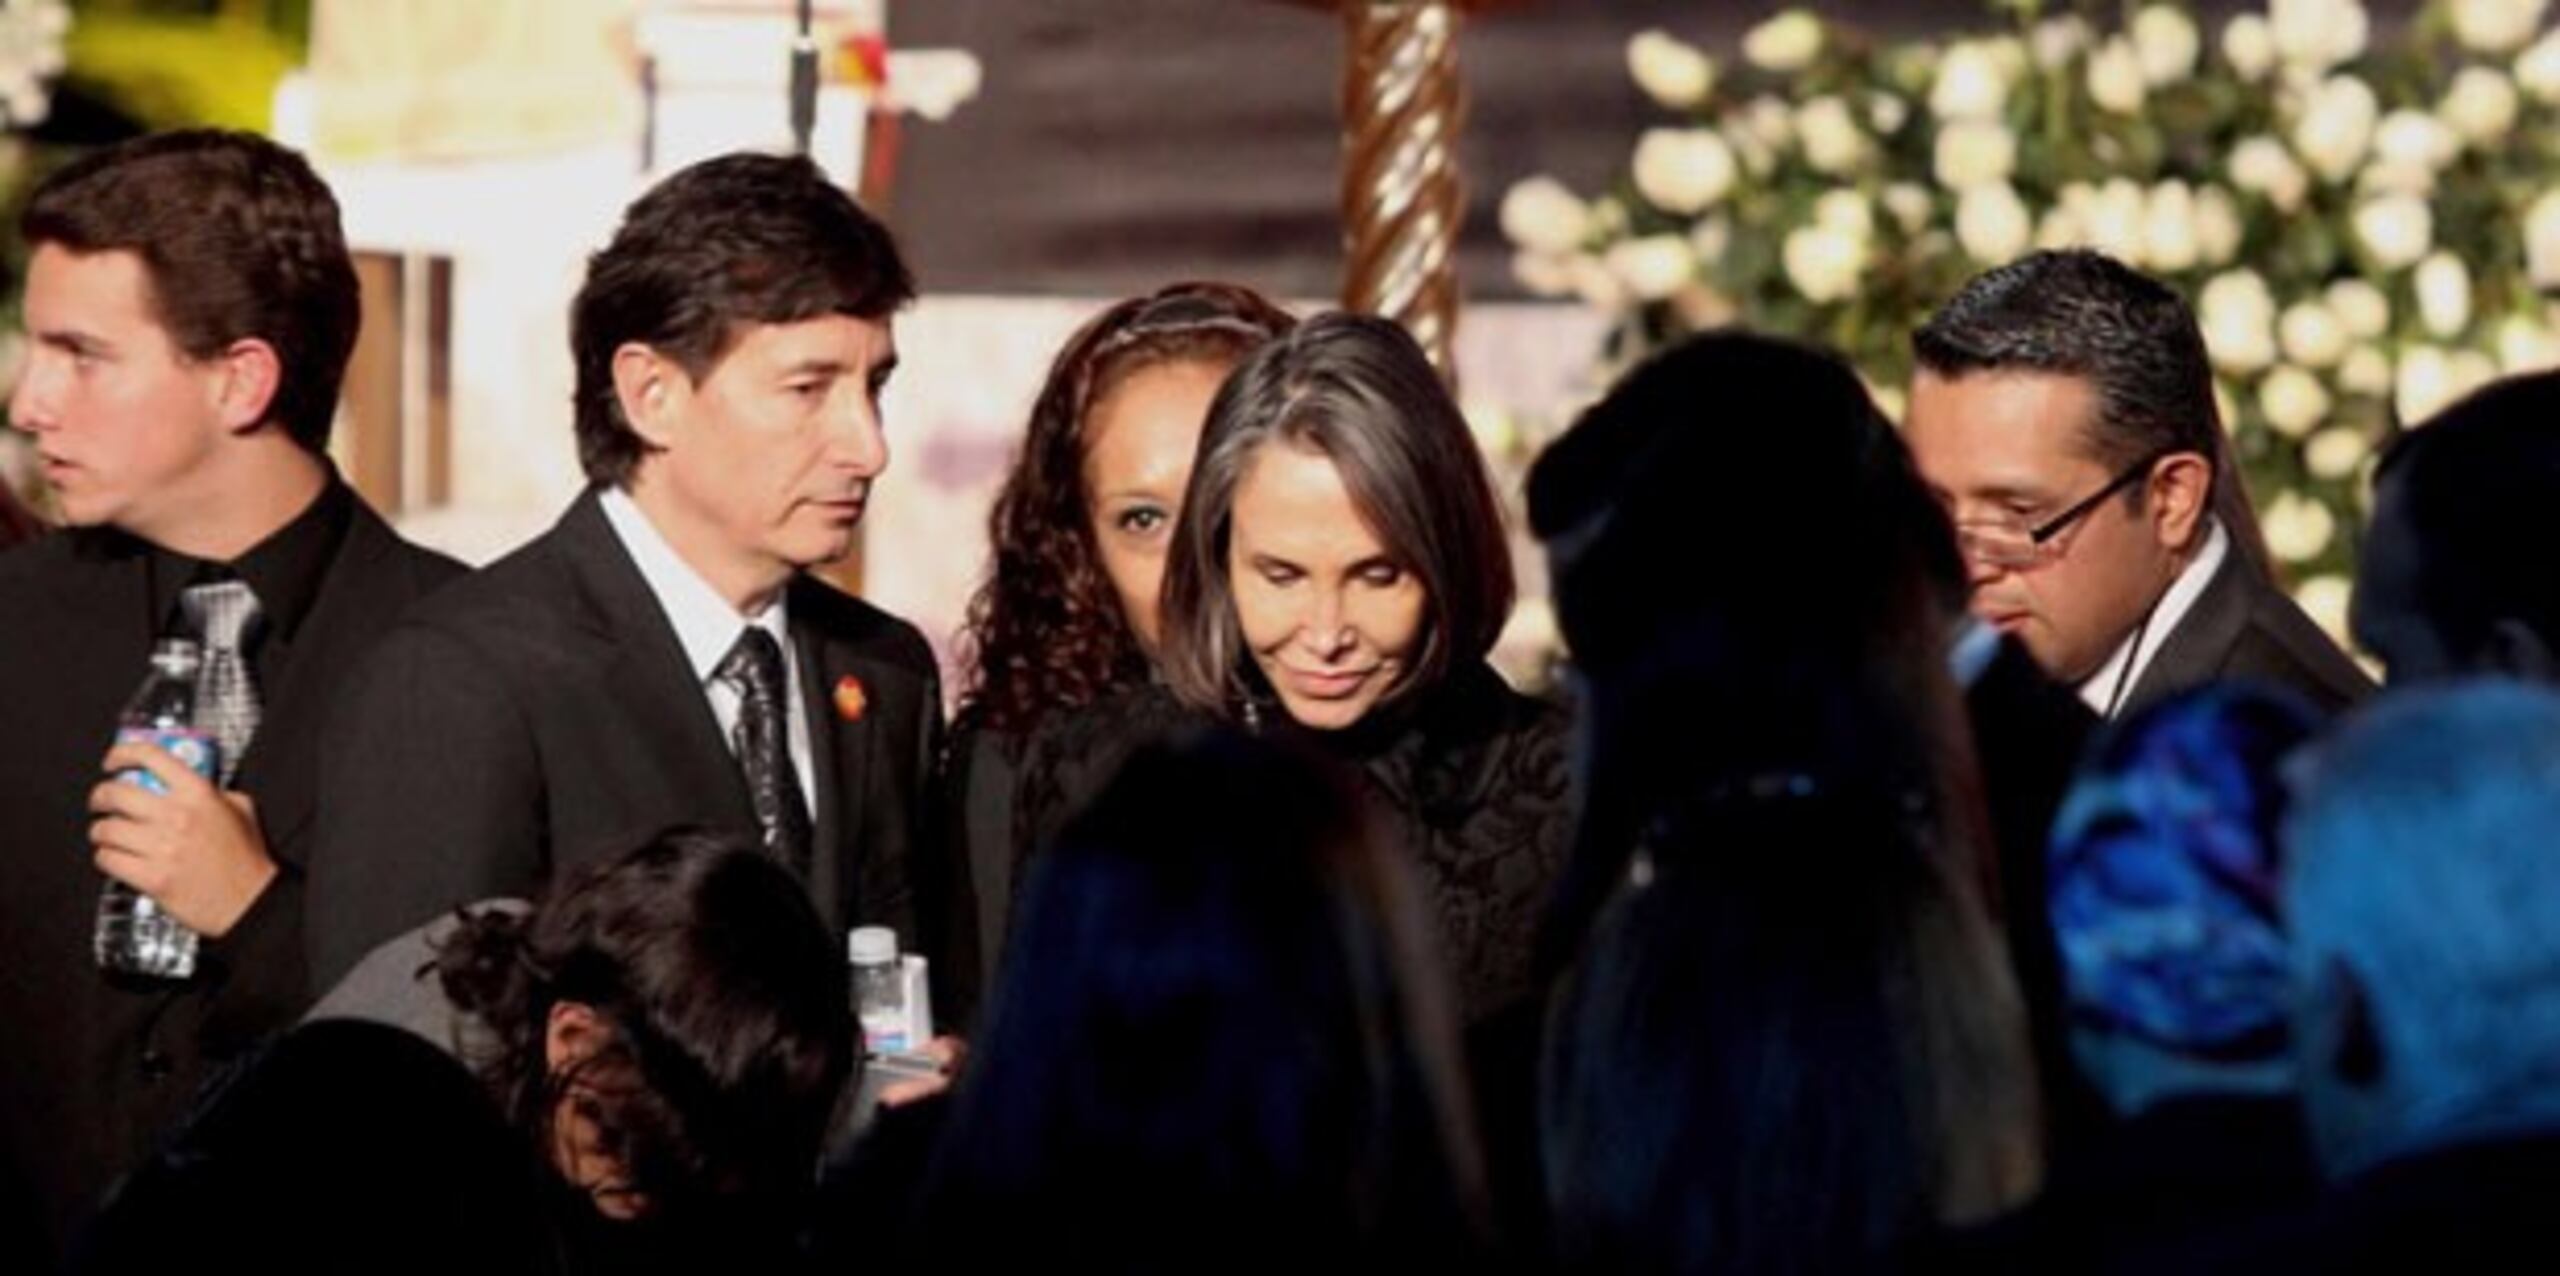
column 1121, row 143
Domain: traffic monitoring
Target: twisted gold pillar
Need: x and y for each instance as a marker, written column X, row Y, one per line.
column 1402, row 107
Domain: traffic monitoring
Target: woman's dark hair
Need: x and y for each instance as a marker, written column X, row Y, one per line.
column 238, row 238
column 727, row 1003
column 741, row 239
column 1217, row 1040
column 1045, row 631
column 1358, row 390
column 1790, row 1046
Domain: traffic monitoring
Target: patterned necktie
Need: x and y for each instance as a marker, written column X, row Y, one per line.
column 754, row 667
column 225, row 613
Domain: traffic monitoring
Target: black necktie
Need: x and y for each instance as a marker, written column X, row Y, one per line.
column 761, row 740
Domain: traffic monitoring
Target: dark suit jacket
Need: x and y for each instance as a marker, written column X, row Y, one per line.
column 2242, row 626
column 542, row 715
column 92, row 1070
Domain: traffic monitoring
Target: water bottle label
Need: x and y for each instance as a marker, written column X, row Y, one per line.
column 194, row 748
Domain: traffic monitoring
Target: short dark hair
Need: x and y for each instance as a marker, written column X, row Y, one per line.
column 741, row 239
column 2082, row 314
column 723, row 990
column 1359, row 390
column 2478, row 487
column 239, row 240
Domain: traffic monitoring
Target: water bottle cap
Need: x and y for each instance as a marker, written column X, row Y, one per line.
column 873, row 945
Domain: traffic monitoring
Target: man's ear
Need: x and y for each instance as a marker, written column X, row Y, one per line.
column 650, row 387
column 571, row 1035
column 2181, row 493
column 2514, row 648
column 245, row 389
column 2337, row 1028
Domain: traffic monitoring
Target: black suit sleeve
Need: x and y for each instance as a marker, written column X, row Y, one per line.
column 259, row 982
column 431, row 797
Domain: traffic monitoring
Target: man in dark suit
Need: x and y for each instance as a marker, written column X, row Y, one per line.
column 190, row 307
column 661, row 656
column 2063, row 411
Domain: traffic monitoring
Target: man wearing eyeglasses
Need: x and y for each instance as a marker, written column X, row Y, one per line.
column 2063, row 412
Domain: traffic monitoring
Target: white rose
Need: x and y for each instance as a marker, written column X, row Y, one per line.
column 2526, row 344
column 1788, row 42
column 2262, row 164
column 1709, row 238
column 2169, row 228
column 1833, row 143
column 1824, row 262
column 1911, row 206
column 1887, row 113
column 2060, row 228
column 2362, row 307
column 1847, row 212
column 1608, row 217
column 2238, row 316
column 1670, row 70
column 1972, row 153
column 2416, row 140
column 2336, row 125
column 2315, row 35
column 1757, row 157
column 2114, row 221
column 2425, row 384
column 2312, row 335
column 2334, row 453
column 2297, row 528
column 2542, row 240
column 2249, row 45
column 1992, row 223
column 2538, row 69
column 2167, row 42
column 2218, row 226
column 2496, row 26
column 2056, row 40
column 2294, row 401
column 1770, row 120
column 2324, row 599
column 2115, row 77
column 2366, row 371
column 1543, row 274
column 2444, row 294
column 1539, row 214
column 2396, row 229
column 1653, row 267
column 1971, row 84
column 1595, row 283
column 1683, row 170
column 2481, row 105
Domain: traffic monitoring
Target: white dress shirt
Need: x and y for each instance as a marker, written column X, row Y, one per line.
column 708, row 627
column 2101, row 687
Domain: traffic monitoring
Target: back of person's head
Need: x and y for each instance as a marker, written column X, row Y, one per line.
column 1791, row 1045
column 239, row 240
column 725, row 1013
column 2426, row 922
column 1750, row 576
column 733, row 241
column 2452, row 579
column 2162, row 885
column 1217, row 1041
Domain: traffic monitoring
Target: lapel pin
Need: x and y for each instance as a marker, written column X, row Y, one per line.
column 851, row 699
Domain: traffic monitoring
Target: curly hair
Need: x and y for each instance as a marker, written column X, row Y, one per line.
column 1045, row 632
column 729, row 1010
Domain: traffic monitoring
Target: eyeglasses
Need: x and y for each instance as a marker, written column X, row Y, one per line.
column 2011, row 546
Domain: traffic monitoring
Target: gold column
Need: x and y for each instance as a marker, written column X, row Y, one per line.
column 1403, row 105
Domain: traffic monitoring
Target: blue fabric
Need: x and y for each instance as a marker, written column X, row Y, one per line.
column 2163, row 874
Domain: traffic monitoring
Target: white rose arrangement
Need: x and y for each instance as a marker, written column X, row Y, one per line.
column 2365, row 218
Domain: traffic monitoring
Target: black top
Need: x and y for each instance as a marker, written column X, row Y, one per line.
column 1471, row 775
column 284, row 571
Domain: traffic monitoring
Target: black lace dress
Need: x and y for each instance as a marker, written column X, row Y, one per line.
column 1471, row 776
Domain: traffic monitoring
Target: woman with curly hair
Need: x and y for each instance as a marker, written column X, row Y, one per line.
column 1068, row 612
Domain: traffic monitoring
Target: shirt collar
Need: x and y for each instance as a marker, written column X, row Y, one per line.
column 704, row 622
column 284, row 570
column 2100, row 686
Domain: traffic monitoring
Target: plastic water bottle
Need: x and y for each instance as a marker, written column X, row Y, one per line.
column 134, row 936
column 879, row 990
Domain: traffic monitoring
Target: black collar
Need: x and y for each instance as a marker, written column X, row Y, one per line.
column 284, row 570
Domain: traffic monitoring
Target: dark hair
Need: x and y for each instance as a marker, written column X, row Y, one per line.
column 1790, row 1046
column 741, row 239
column 1751, row 577
column 239, row 240
column 1046, row 631
column 1217, row 1039
column 2479, row 490
column 1359, row 390
column 725, row 996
